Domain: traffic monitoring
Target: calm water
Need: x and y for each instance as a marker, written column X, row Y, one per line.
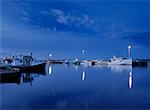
column 73, row 87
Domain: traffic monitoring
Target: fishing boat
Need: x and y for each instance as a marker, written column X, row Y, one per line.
column 100, row 62
column 86, row 63
column 75, row 61
column 12, row 61
column 23, row 69
column 120, row 61
column 31, row 69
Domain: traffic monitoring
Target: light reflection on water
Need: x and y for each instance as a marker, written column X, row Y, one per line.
column 72, row 86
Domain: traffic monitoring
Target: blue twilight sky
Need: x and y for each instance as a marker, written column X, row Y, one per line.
column 64, row 28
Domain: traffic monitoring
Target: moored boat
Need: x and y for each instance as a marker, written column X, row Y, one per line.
column 120, row 61
column 86, row 62
column 33, row 68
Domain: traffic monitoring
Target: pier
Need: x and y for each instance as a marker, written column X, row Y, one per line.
column 140, row 63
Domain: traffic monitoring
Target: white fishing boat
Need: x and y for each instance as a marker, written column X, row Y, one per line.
column 120, row 61
column 100, row 62
column 86, row 63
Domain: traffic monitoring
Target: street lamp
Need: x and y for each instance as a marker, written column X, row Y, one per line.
column 50, row 56
column 83, row 51
column 129, row 51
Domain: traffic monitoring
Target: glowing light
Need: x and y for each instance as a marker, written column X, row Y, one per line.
column 50, row 70
column 129, row 51
column 83, row 76
column 129, row 46
column 50, row 55
column 130, row 80
column 83, row 51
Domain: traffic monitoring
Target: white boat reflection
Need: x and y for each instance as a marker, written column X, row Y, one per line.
column 116, row 68
column 86, row 63
column 120, row 68
column 76, row 67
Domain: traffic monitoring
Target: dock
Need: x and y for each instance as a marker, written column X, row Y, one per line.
column 139, row 63
column 55, row 61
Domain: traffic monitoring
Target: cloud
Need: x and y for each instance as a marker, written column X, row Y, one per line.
column 45, row 12
column 57, row 12
column 25, row 19
column 24, row 15
column 74, row 21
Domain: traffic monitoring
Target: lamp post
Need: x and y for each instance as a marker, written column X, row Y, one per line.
column 83, row 52
column 129, row 51
column 50, row 56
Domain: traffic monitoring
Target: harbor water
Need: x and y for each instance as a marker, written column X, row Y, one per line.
column 78, row 87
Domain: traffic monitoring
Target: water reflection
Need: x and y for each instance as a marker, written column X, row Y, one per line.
column 116, row 68
column 83, row 75
column 48, row 69
column 20, row 78
column 130, row 80
column 26, row 78
column 120, row 68
column 10, row 78
column 99, row 86
column 76, row 67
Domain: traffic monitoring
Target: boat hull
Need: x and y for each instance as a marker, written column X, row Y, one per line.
column 121, row 62
column 31, row 69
